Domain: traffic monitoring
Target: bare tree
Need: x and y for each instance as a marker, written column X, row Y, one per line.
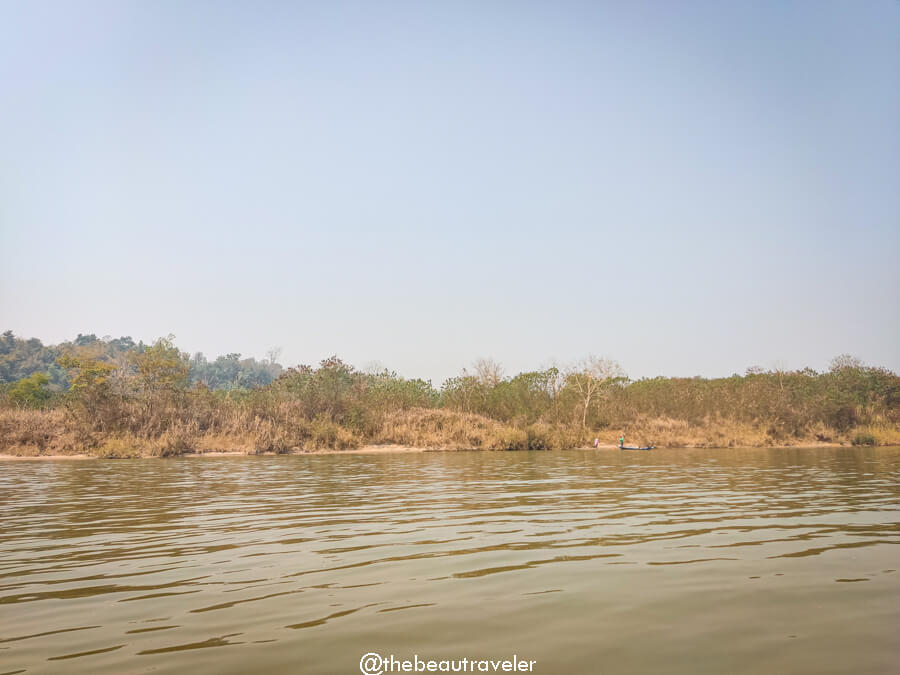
column 488, row 372
column 374, row 367
column 589, row 377
column 780, row 369
column 273, row 354
column 845, row 361
column 121, row 378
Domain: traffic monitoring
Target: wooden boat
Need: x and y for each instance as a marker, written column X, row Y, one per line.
column 634, row 447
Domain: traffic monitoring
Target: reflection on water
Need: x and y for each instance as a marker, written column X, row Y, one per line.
column 693, row 561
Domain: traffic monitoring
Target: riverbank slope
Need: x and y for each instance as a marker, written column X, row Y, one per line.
column 52, row 433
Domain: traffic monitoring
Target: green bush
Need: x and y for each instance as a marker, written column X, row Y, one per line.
column 31, row 392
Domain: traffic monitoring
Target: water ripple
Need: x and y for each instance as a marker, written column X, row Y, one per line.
column 314, row 558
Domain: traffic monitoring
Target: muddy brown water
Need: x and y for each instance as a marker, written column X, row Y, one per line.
column 670, row 561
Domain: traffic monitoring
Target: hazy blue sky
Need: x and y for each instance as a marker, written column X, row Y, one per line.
column 686, row 187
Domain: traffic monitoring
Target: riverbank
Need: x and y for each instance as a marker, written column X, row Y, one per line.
column 364, row 450
column 53, row 433
column 211, row 454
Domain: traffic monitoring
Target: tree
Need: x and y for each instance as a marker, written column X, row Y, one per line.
column 591, row 376
column 273, row 354
column 7, row 342
column 161, row 366
column 488, row 372
column 31, row 392
column 458, row 392
column 523, row 398
column 556, row 384
column 331, row 390
column 845, row 361
column 90, row 393
column 20, row 358
column 85, row 340
column 85, row 374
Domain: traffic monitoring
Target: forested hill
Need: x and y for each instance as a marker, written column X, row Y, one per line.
column 21, row 358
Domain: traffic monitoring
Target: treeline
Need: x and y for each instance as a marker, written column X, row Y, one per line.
column 21, row 359
column 850, row 402
column 120, row 398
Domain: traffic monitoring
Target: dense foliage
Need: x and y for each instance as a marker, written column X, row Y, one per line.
column 21, row 358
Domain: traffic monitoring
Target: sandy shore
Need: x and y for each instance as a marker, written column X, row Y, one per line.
column 364, row 450
column 375, row 450
column 17, row 458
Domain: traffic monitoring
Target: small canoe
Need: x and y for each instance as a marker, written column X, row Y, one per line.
column 634, row 447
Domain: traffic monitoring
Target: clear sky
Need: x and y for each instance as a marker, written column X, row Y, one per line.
column 690, row 188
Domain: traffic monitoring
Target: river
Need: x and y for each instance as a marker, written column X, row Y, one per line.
column 674, row 561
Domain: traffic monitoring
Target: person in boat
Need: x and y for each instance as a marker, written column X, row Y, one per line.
column 622, row 440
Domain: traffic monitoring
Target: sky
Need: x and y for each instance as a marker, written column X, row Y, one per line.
column 689, row 188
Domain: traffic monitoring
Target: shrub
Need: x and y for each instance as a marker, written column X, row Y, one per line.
column 31, row 392
column 539, row 437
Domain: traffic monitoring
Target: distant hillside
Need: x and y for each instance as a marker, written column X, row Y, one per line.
column 21, row 358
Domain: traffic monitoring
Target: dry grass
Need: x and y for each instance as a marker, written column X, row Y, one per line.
column 170, row 444
column 543, row 436
column 249, row 431
column 711, row 433
column 725, row 433
column 51, row 432
column 221, row 442
column 446, row 429
column 264, row 436
column 36, row 432
column 881, row 434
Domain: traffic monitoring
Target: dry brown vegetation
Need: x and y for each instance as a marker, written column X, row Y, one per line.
column 145, row 406
column 447, row 429
column 711, row 432
column 238, row 429
column 36, row 432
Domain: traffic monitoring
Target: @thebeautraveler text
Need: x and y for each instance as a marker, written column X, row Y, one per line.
column 374, row 663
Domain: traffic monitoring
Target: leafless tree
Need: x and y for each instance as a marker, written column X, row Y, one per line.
column 374, row 367
column 780, row 369
column 589, row 377
column 273, row 354
column 845, row 361
column 488, row 372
